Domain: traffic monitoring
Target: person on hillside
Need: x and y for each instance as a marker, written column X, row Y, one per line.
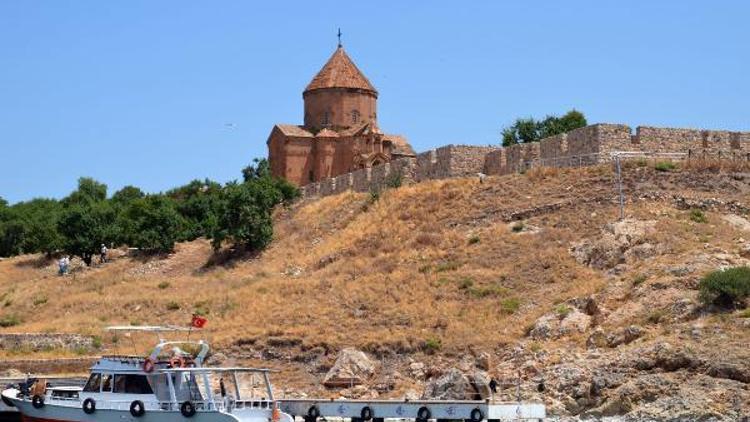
column 66, row 262
column 103, row 254
column 61, row 266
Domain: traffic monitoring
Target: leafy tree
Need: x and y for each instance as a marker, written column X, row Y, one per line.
column 151, row 223
column 198, row 204
column 259, row 168
column 87, row 220
column 126, row 195
column 529, row 130
column 39, row 218
column 89, row 191
column 12, row 235
column 245, row 217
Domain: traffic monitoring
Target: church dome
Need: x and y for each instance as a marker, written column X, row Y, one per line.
column 340, row 72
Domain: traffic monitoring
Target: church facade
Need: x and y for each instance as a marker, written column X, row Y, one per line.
column 340, row 133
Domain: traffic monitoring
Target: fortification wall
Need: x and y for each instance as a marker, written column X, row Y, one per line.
column 45, row 341
column 495, row 162
column 654, row 139
column 583, row 146
column 361, row 180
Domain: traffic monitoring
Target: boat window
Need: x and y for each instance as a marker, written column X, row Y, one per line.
column 92, row 385
column 107, row 383
column 65, row 394
column 132, row 384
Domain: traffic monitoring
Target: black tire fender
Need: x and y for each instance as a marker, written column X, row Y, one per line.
column 7, row 401
column 366, row 413
column 89, row 406
column 476, row 415
column 37, row 401
column 187, row 409
column 313, row 412
column 137, row 409
column 424, row 413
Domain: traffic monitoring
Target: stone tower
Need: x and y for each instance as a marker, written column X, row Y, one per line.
column 340, row 132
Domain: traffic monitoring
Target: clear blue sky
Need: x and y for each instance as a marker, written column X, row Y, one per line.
column 140, row 92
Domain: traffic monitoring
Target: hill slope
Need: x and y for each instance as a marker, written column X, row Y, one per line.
column 526, row 272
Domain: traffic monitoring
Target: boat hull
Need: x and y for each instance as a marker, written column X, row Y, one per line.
column 58, row 413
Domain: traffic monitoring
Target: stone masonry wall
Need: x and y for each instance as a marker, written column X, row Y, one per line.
column 39, row 342
column 583, row 146
column 495, row 162
column 714, row 142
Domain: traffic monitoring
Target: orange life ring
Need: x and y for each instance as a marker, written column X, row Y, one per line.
column 148, row 365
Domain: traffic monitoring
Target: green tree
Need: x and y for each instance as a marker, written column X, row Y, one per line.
column 198, row 204
column 40, row 217
column 259, row 168
column 151, row 224
column 126, row 195
column 87, row 220
column 89, row 191
column 529, row 130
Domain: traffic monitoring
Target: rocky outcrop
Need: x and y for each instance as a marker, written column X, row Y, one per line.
column 626, row 237
column 457, row 385
column 352, row 368
column 600, row 338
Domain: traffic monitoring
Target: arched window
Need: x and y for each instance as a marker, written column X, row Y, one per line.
column 326, row 119
column 355, row 116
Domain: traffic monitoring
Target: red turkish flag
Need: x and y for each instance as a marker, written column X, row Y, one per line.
column 198, row 321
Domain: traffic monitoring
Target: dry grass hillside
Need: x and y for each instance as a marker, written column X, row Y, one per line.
column 444, row 271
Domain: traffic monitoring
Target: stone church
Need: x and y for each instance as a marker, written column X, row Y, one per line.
column 340, row 133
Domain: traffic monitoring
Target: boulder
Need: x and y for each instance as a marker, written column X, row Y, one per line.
column 599, row 338
column 452, row 385
column 352, row 367
column 610, row 248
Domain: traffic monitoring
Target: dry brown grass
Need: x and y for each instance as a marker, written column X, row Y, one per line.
column 391, row 274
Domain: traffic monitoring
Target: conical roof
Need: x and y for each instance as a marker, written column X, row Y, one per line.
column 340, row 72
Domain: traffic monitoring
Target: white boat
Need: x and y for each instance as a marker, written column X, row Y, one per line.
column 168, row 385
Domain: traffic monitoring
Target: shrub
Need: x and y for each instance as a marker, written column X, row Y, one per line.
column 40, row 300
column 698, row 216
column 656, row 316
column 96, row 342
column 164, row 285
column 9, row 321
column 518, row 227
column 473, row 240
column 665, row 166
column 726, row 288
column 173, row 306
column 562, row 310
column 510, row 305
column 447, row 266
column 394, row 180
column 638, row 280
column 432, row 345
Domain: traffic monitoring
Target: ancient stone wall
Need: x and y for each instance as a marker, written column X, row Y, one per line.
column 342, row 183
column 583, row 146
column 361, row 180
column 553, row 148
column 40, row 341
column 714, row 142
column 405, row 168
column 495, row 162
column 464, row 160
column 426, row 162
